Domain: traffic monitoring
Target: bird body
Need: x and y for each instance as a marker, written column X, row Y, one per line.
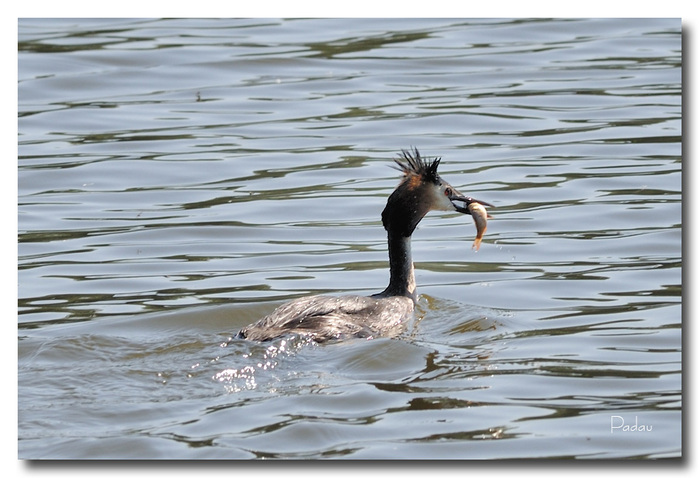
column 335, row 317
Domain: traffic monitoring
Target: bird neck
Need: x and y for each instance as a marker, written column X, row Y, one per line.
column 402, row 282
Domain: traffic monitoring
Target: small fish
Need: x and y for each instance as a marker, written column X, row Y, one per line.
column 480, row 216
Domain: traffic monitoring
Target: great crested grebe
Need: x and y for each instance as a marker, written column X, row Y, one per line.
column 384, row 314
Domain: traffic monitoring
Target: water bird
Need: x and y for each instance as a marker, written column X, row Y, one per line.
column 386, row 313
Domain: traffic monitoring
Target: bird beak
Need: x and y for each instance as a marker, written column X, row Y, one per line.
column 457, row 199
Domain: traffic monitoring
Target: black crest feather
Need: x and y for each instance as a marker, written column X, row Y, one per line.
column 410, row 162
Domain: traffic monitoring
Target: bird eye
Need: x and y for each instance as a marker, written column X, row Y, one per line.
column 448, row 192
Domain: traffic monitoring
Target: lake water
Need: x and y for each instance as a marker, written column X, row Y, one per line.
column 179, row 179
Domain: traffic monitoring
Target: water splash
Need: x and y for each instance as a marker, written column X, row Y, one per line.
column 259, row 365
